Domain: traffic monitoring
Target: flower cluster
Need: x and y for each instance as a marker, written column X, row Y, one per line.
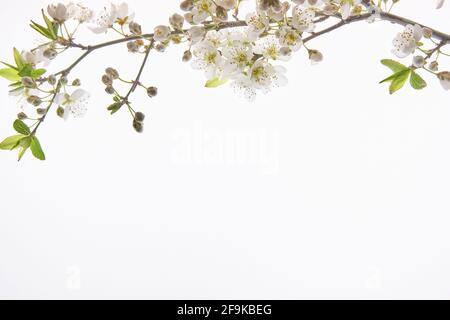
column 245, row 49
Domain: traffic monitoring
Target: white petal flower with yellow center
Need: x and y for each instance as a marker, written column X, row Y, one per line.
column 35, row 57
column 270, row 49
column 215, row 38
column 74, row 104
column 80, row 13
column 303, row 19
column 262, row 76
column 405, row 43
column 58, row 12
column 207, row 59
column 115, row 14
column 257, row 24
column 203, row 9
column 290, row 38
column 237, row 59
column 346, row 7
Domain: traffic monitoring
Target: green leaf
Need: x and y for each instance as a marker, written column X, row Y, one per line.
column 16, row 89
column 18, row 58
column 10, row 66
column 24, row 145
column 216, row 82
column 399, row 81
column 389, row 79
column 416, row 81
column 50, row 26
column 26, row 70
column 15, row 84
column 36, row 74
column 115, row 107
column 21, row 127
column 394, row 65
column 42, row 30
column 12, row 142
column 9, row 74
column 36, row 149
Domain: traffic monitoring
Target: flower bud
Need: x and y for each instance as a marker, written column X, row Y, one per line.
column 176, row 21
column 434, row 66
column 76, row 83
column 50, row 53
column 315, row 56
column 196, row 34
column 427, row 33
column 285, row 51
column 187, row 56
column 107, row 80
column 139, row 117
column 221, row 13
column 22, row 116
column 113, row 73
column 330, row 9
column 152, row 92
column 28, row 82
column 64, row 80
column 419, row 61
column 160, row 47
column 60, row 112
column 138, row 126
column 132, row 46
column 109, row 90
column 135, row 28
column 189, row 17
column 444, row 77
column 34, row 100
column 161, row 33
column 187, row 5
column 41, row 111
column 51, row 80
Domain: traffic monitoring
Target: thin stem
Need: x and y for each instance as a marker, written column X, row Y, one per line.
column 138, row 77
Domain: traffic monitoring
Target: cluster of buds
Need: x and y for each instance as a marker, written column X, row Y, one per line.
column 108, row 79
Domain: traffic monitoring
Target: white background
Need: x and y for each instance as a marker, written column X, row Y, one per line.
column 327, row 188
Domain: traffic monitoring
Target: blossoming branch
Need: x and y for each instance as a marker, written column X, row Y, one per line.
column 244, row 49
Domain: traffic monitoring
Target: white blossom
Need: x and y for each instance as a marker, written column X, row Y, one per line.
column 237, row 59
column 74, row 104
column 107, row 17
column 36, row 56
column 346, row 8
column 58, row 12
column 290, row 38
column 405, row 43
column 303, row 19
column 261, row 77
column 80, row 13
column 161, row 33
column 208, row 59
column 196, row 34
column 202, row 10
column 270, row 49
column 257, row 24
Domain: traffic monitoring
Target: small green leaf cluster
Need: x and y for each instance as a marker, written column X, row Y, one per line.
column 23, row 141
column 400, row 76
column 21, row 69
column 50, row 30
